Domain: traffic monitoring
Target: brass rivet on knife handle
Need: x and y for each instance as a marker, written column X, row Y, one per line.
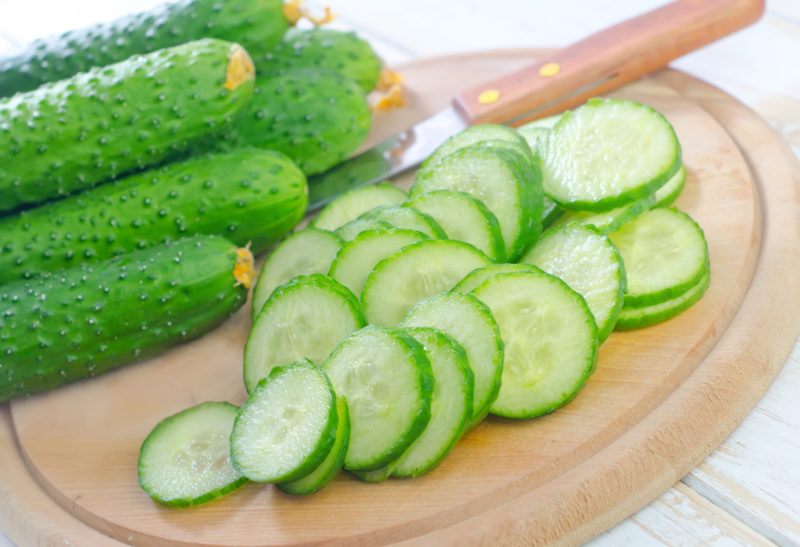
column 489, row 96
column 607, row 60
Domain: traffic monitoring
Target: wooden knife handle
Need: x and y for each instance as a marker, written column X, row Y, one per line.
column 605, row 61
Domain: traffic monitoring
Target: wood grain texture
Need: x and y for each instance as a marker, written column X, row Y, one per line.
column 661, row 399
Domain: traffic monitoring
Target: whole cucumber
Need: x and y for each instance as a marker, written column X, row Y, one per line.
column 255, row 24
column 317, row 118
column 249, row 196
column 87, row 320
column 323, row 49
column 70, row 135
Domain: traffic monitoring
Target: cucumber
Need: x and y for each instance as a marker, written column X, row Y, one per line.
column 354, row 203
column 550, row 212
column 502, row 179
column 305, row 252
column 358, row 257
column 607, row 153
column 463, row 218
column 257, row 25
column 668, row 194
column 72, row 134
column 407, row 218
column 478, row 134
column 470, row 323
column 645, row 316
column 374, row 476
column 186, row 458
column 477, row 277
column 451, row 404
column 665, row 254
column 303, row 319
column 387, row 381
column 356, row 227
column 416, row 272
column 590, row 264
column 84, row 321
column 288, row 425
column 551, row 341
column 249, row 196
column 612, row 220
column 333, row 462
column 317, row 118
column 533, row 133
column 323, row 49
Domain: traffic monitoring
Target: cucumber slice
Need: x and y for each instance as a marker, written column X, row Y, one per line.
column 463, row 218
column 550, row 212
column 608, row 153
column 550, row 341
column 542, row 123
column 612, row 220
column 330, row 466
column 451, row 404
column 350, row 231
column 288, row 425
column 387, row 381
column 538, row 130
column 352, row 204
column 358, row 257
column 588, row 262
column 305, row 252
column 668, row 194
column 478, row 134
column 407, row 218
column 504, row 181
column 185, row 460
column 469, row 322
column 375, row 476
column 416, row 272
column 303, row 319
column 637, row 318
column 477, row 277
column 665, row 254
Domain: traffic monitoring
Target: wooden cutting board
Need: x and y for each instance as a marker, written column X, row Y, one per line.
column 661, row 399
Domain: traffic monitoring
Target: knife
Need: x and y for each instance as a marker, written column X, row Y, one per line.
column 595, row 65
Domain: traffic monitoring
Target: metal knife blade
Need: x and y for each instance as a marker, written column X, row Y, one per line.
column 393, row 156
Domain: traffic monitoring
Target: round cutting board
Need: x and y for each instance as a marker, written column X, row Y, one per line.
column 660, row 400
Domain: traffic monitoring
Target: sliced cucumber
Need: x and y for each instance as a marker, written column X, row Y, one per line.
column 375, row 476
column 477, row 277
column 478, row 134
column 637, row 318
column 608, row 153
column 305, row 252
column 451, row 404
column 504, row 181
column 186, row 459
column 303, row 319
column 387, row 381
column 550, row 212
column 550, row 341
column 668, row 194
column 463, row 218
column 589, row 263
column 288, row 425
column 543, row 123
column 330, row 466
column 407, row 218
column 416, row 272
column 612, row 220
column 350, row 231
column 665, row 254
column 358, row 257
column 352, row 204
column 538, row 130
column 470, row 323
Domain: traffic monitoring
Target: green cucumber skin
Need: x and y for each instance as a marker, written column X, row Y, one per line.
column 258, row 25
column 323, row 49
column 85, row 321
column 70, row 135
column 316, row 118
column 248, row 196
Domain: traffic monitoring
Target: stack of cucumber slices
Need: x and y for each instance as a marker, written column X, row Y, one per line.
column 396, row 323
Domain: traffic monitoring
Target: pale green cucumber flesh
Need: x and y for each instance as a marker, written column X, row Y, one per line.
column 609, row 221
column 352, row 229
column 668, row 194
column 477, row 277
column 352, row 204
column 474, row 135
column 407, row 218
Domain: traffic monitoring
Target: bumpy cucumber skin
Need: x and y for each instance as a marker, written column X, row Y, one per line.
column 70, row 135
column 249, row 196
column 317, row 118
column 185, row 502
column 323, row 49
column 85, row 321
column 255, row 24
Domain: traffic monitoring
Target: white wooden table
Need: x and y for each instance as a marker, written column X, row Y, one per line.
column 748, row 491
